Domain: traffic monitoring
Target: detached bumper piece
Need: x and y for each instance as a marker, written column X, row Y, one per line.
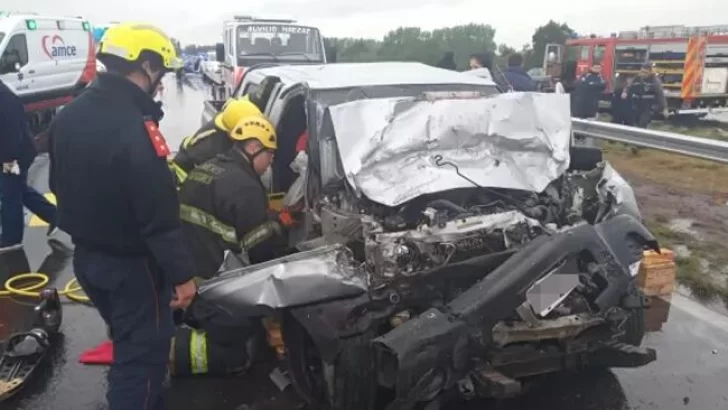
column 433, row 351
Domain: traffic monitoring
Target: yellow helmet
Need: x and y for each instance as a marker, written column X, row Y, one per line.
column 129, row 40
column 255, row 128
column 233, row 111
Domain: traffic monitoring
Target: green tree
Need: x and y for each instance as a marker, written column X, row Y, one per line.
column 551, row 32
column 463, row 41
column 504, row 50
column 408, row 44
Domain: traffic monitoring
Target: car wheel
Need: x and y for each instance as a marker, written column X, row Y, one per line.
column 347, row 384
column 634, row 328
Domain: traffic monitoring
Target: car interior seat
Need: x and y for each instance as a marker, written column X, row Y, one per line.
column 261, row 44
column 276, row 44
column 244, row 45
column 297, row 43
column 292, row 125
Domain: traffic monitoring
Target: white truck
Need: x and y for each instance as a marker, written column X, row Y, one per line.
column 46, row 60
column 249, row 41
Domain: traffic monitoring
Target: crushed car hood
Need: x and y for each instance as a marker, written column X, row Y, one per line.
column 389, row 146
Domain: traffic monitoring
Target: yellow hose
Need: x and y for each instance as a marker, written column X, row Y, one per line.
column 72, row 290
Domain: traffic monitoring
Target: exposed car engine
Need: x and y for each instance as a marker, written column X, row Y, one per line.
column 453, row 226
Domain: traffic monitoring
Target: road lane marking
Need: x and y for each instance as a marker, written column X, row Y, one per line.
column 35, row 221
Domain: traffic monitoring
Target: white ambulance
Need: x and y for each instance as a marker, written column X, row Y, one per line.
column 47, row 60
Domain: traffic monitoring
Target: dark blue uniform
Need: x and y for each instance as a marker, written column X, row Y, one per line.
column 586, row 95
column 117, row 199
column 517, row 79
column 16, row 145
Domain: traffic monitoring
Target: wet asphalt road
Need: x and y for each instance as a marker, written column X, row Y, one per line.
column 691, row 340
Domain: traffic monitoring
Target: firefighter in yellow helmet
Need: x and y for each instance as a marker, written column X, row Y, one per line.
column 223, row 200
column 212, row 139
column 224, row 207
column 118, row 202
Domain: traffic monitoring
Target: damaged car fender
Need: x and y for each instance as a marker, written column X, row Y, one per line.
column 431, row 352
column 314, row 276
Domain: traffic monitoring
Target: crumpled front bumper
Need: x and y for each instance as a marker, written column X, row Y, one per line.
column 435, row 350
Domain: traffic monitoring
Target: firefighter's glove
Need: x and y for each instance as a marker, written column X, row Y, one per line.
column 288, row 218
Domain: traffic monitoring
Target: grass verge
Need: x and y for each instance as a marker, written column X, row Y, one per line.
column 673, row 170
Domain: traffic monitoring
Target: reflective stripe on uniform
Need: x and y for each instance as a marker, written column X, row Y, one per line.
column 189, row 141
column 198, row 352
column 178, row 172
column 260, row 234
column 201, row 218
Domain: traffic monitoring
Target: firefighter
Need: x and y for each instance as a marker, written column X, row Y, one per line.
column 622, row 111
column 212, row 138
column 224, row 207
column 587, row 93
column 647, row 96
column 118, row 202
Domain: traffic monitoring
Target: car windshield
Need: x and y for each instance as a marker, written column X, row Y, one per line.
column 279, row 41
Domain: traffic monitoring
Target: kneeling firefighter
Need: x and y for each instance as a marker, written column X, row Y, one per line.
column 212, row 138
column 224, row 207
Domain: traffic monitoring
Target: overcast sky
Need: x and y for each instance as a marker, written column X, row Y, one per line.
column 201, row 21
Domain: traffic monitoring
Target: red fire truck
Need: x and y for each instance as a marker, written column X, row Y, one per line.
column 692, row 62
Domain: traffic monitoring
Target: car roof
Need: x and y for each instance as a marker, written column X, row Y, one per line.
column 347, row 75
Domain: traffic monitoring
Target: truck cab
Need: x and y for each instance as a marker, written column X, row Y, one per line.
column 249, row 40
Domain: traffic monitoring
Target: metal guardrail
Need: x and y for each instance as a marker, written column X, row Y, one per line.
column 703, row 148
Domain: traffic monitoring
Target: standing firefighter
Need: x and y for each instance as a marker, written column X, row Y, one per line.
column 118, row 201
column 212, row 138
column 587, row 93
column 647, row 96
column 224, row 207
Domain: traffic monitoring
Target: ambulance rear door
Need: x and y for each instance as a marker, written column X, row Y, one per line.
column 59, row 51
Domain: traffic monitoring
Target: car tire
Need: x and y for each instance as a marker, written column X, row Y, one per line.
column 634, row 327
column 354, row 384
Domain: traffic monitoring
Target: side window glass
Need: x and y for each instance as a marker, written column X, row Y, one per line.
column 250, row 88
column 599, row 55
column 230, row 43
column 15, row 54
column 584, row 55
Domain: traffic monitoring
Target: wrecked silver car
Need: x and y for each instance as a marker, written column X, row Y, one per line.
column 456, row 244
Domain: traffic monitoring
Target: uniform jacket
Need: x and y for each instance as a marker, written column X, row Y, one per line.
column 16, row 143
column 204, row 145
column 114, row 190
column 222, row 202
column 587, row 93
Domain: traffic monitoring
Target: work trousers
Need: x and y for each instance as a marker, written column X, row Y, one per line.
column 133, row 299
column 14, row 194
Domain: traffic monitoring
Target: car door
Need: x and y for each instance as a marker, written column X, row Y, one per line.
column 14, row 64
